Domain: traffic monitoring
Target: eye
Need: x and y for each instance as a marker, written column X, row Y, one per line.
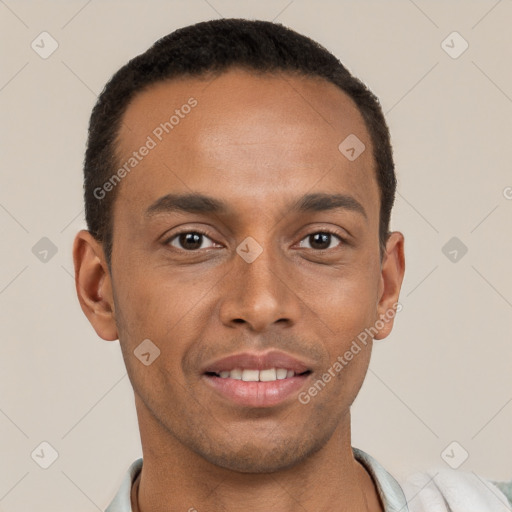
column 320, row 240
column 189, row 240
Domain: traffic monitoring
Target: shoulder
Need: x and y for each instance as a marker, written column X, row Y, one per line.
column 448, row 490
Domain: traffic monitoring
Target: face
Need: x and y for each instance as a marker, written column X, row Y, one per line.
column 271, row 262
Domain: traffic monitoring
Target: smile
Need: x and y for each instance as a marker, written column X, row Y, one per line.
column 251, row 379
column 254, row 375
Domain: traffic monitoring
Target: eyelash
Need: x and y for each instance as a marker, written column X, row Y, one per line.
column 203, row 233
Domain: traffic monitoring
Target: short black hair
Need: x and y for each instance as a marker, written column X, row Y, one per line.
column 214, row 47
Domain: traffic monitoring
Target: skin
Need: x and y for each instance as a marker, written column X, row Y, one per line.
column 258, row 143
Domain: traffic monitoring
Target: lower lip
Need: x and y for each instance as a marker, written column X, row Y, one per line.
column 257, row 394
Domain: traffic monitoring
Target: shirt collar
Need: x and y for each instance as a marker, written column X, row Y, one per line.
column 389, row 490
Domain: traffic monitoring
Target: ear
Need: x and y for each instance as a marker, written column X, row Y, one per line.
column 94, row 285
column 392, row 274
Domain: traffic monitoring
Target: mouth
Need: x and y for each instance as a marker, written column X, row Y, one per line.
column 257, row 380
column 255, row 375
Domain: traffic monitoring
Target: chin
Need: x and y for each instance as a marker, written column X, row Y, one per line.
column 251, row 461
column 263, row 456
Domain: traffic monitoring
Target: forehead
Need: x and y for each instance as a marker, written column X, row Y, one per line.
column 244, row 136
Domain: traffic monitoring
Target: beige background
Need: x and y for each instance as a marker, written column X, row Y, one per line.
column 443, row 375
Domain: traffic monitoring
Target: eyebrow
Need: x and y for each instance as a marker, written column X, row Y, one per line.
column 199, row 203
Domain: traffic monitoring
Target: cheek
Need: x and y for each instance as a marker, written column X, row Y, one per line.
column 347, row 307
column 153, row 305
column 151, row 302
column 346, row 302
column 153, row 332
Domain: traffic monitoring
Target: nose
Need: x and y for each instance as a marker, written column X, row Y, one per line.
column 260, row 294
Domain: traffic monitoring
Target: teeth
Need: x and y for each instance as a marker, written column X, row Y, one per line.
column 281, row 373
column 268, row 375
column 248, row 375
column 236, row 374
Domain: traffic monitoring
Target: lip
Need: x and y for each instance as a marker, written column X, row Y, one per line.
column 264, row 361
column 257, row 394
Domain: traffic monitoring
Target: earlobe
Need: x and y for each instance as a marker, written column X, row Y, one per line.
column 392, row 274
column 93, row 285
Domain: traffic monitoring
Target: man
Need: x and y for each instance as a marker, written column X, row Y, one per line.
column 238, row 188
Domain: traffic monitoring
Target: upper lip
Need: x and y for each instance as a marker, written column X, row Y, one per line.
column 254, row 361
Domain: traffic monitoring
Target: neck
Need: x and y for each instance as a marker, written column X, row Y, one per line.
column 174, row 478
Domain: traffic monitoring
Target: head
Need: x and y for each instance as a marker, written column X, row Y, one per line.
column 225, row 215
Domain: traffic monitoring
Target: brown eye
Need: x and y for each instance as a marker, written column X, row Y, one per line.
column 189, row 241
column 320, row 241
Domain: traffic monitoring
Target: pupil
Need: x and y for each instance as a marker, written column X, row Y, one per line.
column 322, row 239
column 190, row 240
